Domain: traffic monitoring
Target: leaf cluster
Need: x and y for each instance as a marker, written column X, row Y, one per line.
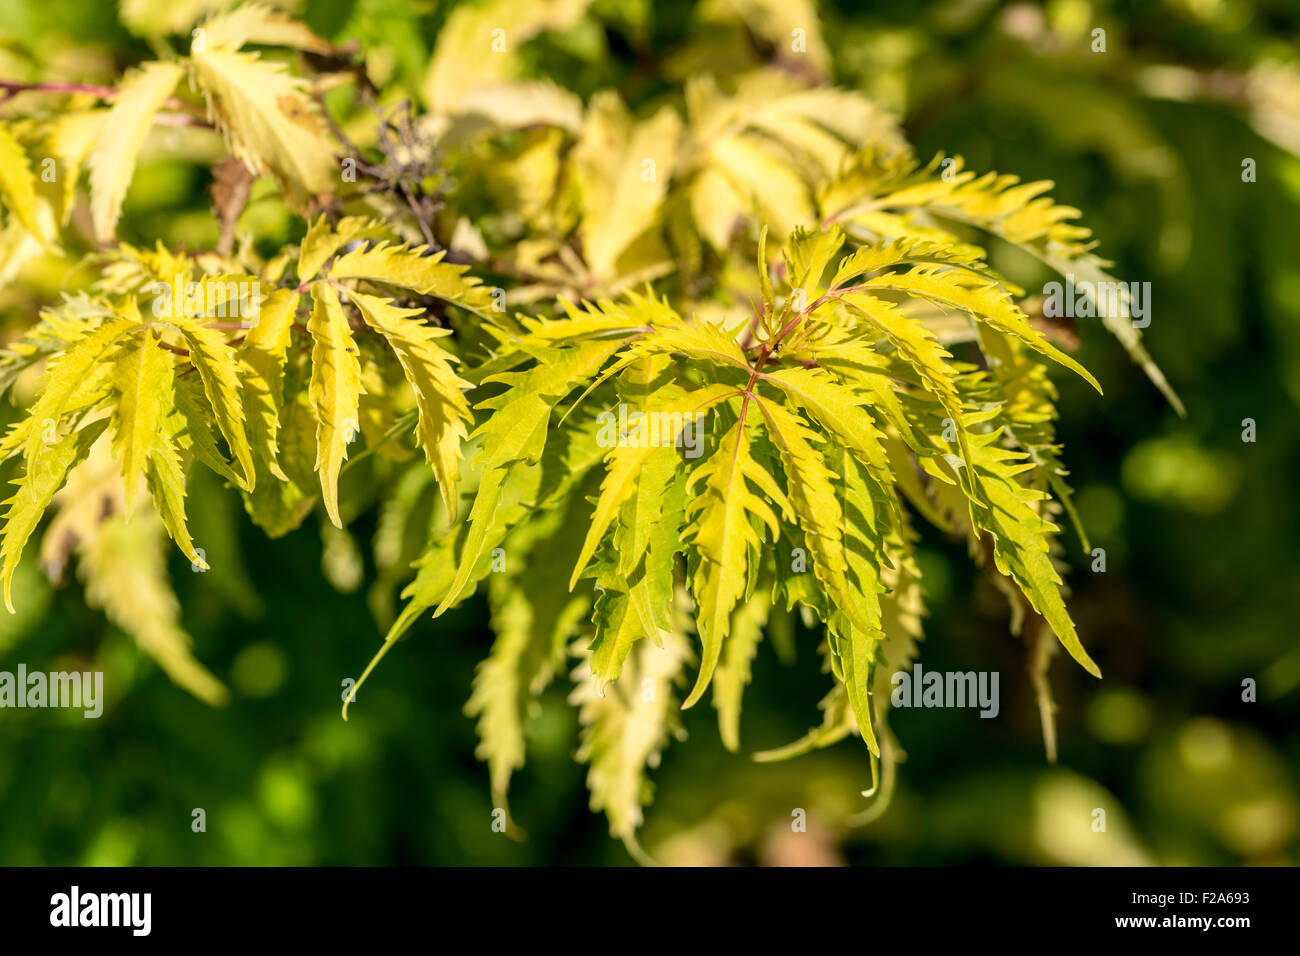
column 656, row 381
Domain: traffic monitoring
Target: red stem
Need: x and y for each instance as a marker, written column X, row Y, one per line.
column 190, row 117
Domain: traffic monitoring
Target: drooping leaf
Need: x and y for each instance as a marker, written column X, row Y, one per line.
column 626, row 729
column 217, row 364
column 45, row 474
column 124, row 573
column 1020, row 542
column 17, row 184
column 722, row 519
column 733, row 673
column 142, row 381
column 335, row 391
column 166, row 480
column 121, row 134
column 269, row 119
column 439, row 391
column 261, row 376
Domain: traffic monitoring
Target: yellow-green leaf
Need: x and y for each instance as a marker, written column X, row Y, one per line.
column 17, row 184
column 46, row 472
column 623, row 168
column 438, row 389
column 122, row 133
column 323, row 240
column 268, row 116
column 261, row 379
column 142, row 383
column 723, row 536
column 623, row 733
column 412, row 268
column 218, row 368
column 335, row 390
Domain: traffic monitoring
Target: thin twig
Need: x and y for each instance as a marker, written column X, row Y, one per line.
column 13, row 87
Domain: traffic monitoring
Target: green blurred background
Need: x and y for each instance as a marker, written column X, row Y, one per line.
column 1201, row 589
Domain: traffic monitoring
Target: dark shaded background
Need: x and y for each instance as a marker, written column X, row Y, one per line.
column 1199, row 528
